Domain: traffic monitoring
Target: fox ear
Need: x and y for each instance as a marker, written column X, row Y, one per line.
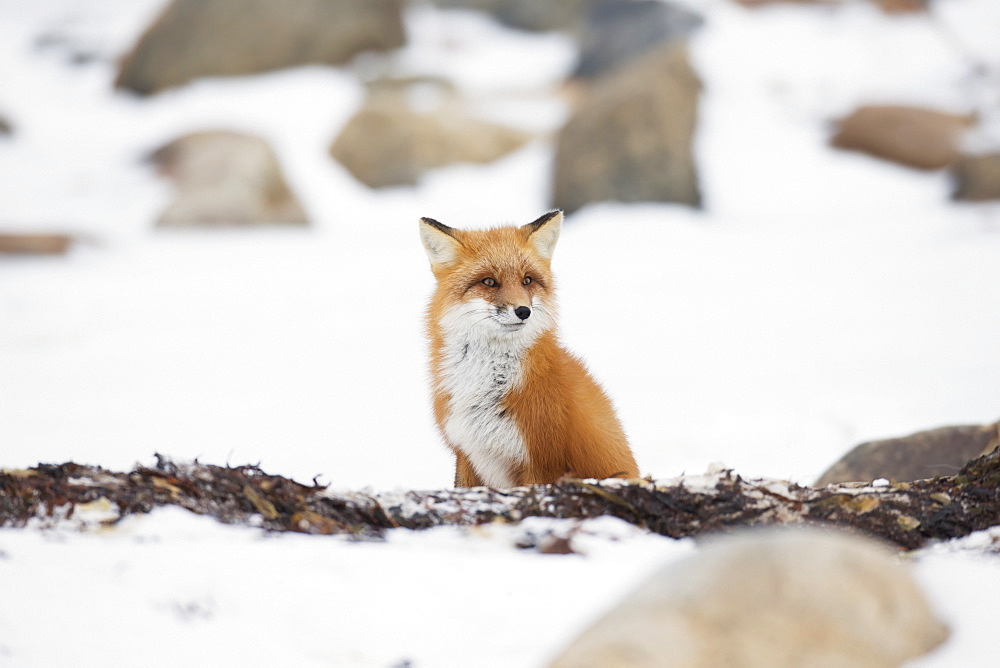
column 544, row 232
column 439, row 242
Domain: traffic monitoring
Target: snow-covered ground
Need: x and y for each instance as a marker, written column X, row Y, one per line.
column 819, row 300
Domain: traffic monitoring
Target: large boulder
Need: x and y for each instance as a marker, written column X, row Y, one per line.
column 887, row 6
column 616, row 31
column 33, row 243
column 224, row 179
column 925, row 454
column 911, row 136
column 393, row 140
column 609, row 32
column 762, row 3
column 769, row 599
column 630, row 139
column 563, row 15
column 976, row 178
column 200, row 38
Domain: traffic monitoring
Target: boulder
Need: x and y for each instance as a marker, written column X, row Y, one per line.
column 225, row 178
column 902, row 6
column 34, row 244
column 564, row 15
column 630, row 138
column 616, row 31
column 911, row 136
column 610, row 32
column 201, row 38
column 925, row 454
column 976, row 178
column 887, row 6
column 768, row 598
column 394, row 139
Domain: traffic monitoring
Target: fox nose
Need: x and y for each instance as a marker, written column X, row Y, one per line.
column 522, row 312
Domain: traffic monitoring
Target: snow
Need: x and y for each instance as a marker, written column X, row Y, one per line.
column 820, row 299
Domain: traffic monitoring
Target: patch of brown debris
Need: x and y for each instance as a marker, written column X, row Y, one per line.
column 907, row 514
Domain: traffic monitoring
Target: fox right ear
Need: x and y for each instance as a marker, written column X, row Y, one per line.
column 439, row 242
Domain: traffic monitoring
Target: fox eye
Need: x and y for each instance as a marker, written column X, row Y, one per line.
column 489, row 282
column 526, row 281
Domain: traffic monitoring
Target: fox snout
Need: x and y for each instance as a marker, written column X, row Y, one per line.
column 522, row 313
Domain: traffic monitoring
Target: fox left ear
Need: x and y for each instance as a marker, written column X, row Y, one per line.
column 439, row 241
column 544, row 232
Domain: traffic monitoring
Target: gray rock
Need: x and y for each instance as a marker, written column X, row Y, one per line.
column 925, row 454
column 200, row 38
column 781, row 598
column 630, row 138
column 616, row 31
column 563, row 15
column 610, row 32
column 225, row 179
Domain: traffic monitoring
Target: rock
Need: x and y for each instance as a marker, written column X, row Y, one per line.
column 610, row 32
column 976, row 178
column 564, row 15
column 902, row 6
column 768, row 598
column 616, row 31
column 225, row 178
column 887, row 6
column 925, row 454
column 910, row 136
column 393, row 141
column 761, row 3
column 35, row 244
column 200, row 38
column 6, row 129
column 630, row 139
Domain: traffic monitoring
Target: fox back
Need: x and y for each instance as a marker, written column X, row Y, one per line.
column 513, row 405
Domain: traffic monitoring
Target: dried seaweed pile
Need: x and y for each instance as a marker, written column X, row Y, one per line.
column 907, row 514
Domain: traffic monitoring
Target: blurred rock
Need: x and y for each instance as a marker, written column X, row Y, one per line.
column 925, row 454
column 761, row 3
column 616, row 31
column 768, row 598
column 610, row 32
column 225, row 178
column 976, row 178
column 902, row 6
column 200, row 38
column 408, row 127
column 6, row 129
column 34, row 244
column 564, row 15
column 887, row 6
column 630, row 139
column 910, row 136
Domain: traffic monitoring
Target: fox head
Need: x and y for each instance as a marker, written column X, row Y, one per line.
column 493, row 283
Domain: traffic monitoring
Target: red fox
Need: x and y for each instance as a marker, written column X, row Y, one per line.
column 514, row 406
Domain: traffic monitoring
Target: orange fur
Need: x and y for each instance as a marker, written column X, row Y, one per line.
column 530, row 412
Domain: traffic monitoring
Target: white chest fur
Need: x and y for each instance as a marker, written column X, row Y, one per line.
column 477, row 372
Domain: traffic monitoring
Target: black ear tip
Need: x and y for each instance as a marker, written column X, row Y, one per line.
column 535, row 224
column 436, row 225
